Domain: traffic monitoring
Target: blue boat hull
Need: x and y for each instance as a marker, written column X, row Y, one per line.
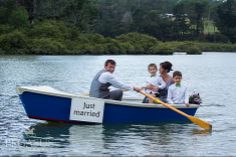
column 55, row 108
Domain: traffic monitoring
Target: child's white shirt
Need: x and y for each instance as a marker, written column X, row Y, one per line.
column 156, row 81
column 177, row 95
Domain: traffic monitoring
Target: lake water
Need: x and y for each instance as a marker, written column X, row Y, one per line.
column 211, row 74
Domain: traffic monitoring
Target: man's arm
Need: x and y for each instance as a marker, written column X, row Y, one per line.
column 107, row 77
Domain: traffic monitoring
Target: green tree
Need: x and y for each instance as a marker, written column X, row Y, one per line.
column 181, row 22
column 14, row 42
column 13, row 14
column 83, row 14
column 48, row 29
column 200, row 10
column 196, row 10
column 19, row 17
column 30, row 6
column 226, row 21
column 6, row 8
column 80, row 13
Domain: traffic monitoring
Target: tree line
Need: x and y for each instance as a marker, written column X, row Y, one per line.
column 73, row 25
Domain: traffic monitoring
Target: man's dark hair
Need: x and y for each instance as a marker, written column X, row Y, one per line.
column 110, row 61
column 152, row 65
column 167, row 66
column 177, row 73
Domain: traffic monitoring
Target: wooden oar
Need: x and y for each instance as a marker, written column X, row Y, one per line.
column 195, row 120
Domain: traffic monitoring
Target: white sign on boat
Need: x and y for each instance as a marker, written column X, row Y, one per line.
column 86, row 110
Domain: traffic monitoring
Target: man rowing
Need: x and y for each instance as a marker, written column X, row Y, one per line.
column 104, row 79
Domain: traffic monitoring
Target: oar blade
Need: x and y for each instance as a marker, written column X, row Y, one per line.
column 195, row 120
column 200, row 122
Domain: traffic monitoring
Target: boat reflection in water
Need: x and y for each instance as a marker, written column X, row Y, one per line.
column 106, row 139
column 47, row 135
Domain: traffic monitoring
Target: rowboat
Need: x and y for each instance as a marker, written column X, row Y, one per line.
column 50, row 104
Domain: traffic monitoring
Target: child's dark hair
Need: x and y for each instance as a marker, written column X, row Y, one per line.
column 177, row 73
column 110, row 61
column 167, row 66
column 152, row 65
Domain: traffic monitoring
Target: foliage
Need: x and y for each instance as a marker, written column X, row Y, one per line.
column 47, row 46
column 140, row 42
column 194, row 11
column 4, row 28
column 162, row 49
column 18, row 17
column 116, row 26
column 164, row 19
column 14, row 42
column 6, row 8
column 13, row 14
column 181, row 22
column 48, row 29
column 217, row 37
column 226, row 21
column 194, row 50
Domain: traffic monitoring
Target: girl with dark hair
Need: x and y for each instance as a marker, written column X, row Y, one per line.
column 165, row 68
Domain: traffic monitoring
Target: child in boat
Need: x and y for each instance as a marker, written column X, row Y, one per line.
column 153, row 83
column 177, row 93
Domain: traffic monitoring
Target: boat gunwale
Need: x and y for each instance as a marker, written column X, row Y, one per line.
column 58, row 93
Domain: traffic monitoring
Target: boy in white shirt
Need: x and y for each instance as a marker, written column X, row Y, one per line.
column 177, row 94
column 154, row 82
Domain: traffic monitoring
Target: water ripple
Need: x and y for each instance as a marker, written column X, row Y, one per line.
column 20, row 135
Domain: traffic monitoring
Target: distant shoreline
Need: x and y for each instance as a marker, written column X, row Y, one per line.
column 175, row 53
column 17, row 43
